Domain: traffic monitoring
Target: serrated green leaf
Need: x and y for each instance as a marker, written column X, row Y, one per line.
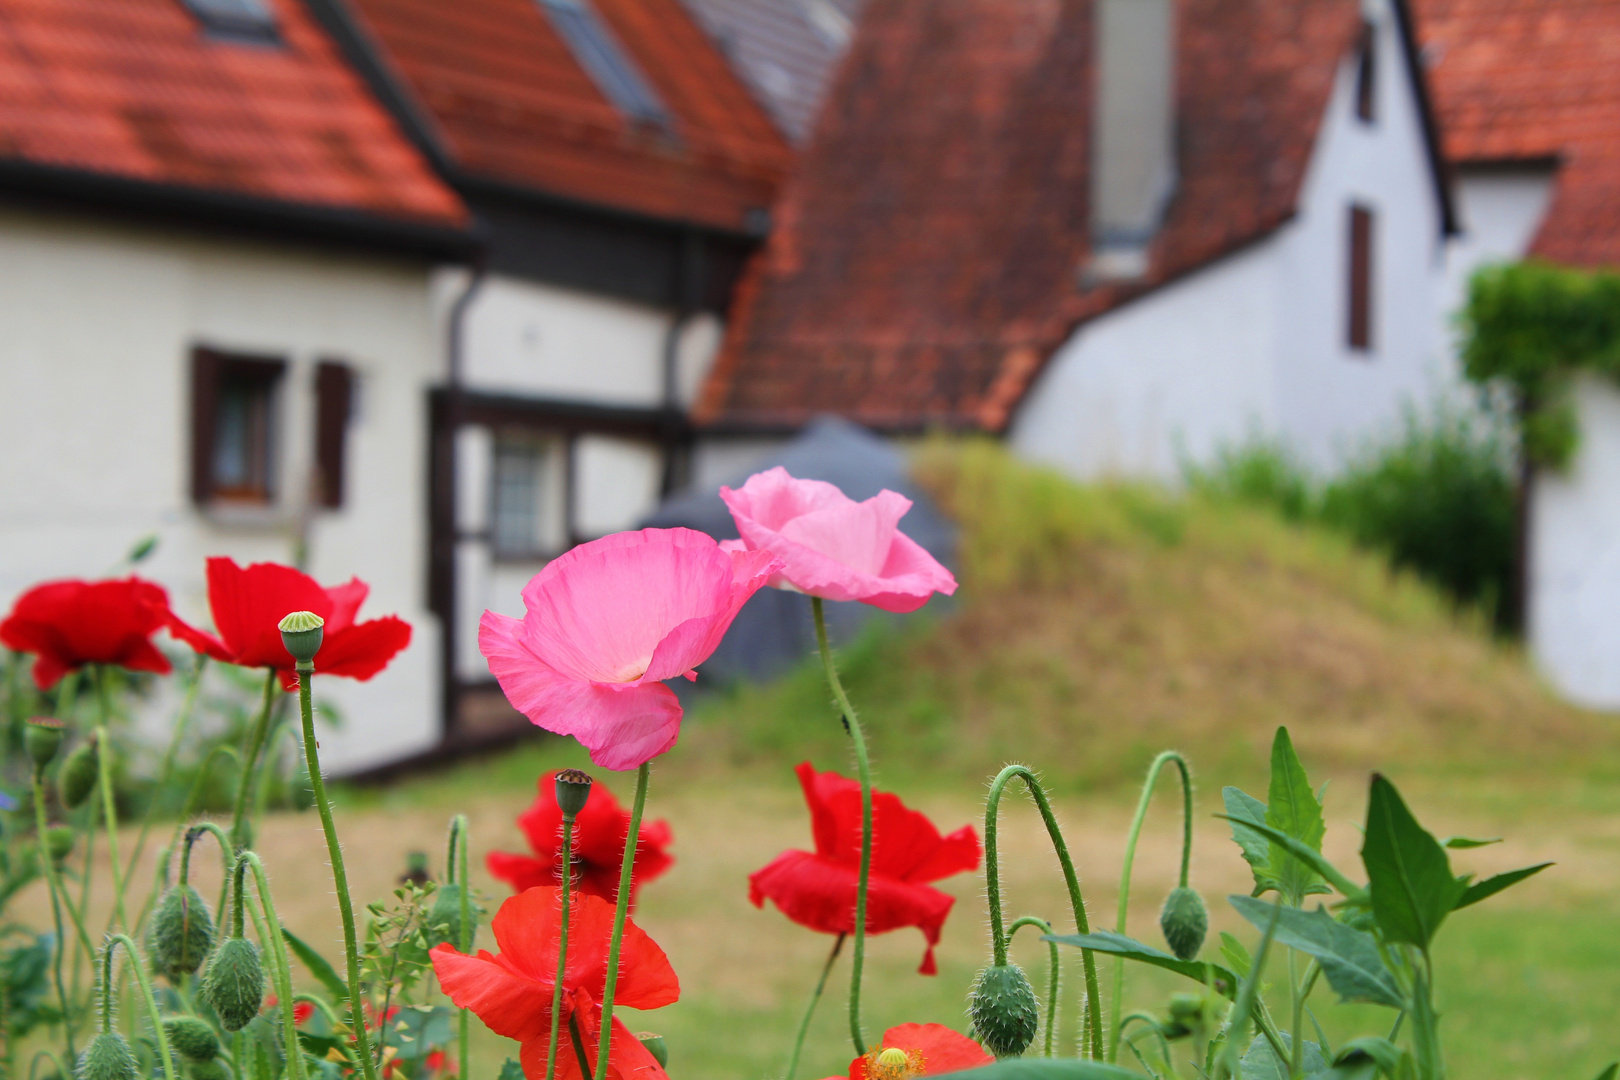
column 1293, row 809
column 1260, row 1060
column 1350, row 959
column 1040, row 1069
column 1243, row 810
column 324, row 972
column 1316, row 859
column 1409, row 876
column 1457, row 843
column 1223, row 981
column 1484, row 890
column 1235, row 954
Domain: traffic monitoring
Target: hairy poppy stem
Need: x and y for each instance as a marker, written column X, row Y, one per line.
column 1054, row 973
column 244, row 784
column 562, row 946
column 864, row 768
column 108, row 803
column 340, row 878
column 1157, row 767
column 815, row 998
column 992, row 881
column 457, row 868
column 632, row 839
column 181, row 722
column 275, row 947
column 108, row 994
column 53, row 879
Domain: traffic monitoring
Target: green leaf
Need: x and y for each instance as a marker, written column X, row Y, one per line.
column 1244, row 810
column 1457, row 842
column 1260, row 1060
column 1483, row 890
column 1360, row 1058
column 1409, row 876
column 1349, row 957
column 1611, row 1073
column 511, row 1071
column 1040, row 1069
column 1223, row 981
column 1235, row 954
column 1315, row 858
column 324, row 973
column 1293, row 810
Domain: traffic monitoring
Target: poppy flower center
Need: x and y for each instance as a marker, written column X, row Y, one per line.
column 630, row 672
column 893, row 1063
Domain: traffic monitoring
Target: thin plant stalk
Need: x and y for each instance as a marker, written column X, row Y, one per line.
column 181, row 722
column 632, row 840
column 1244, row 1008
column 1053, row 975
column 244, row 785
column 275, row 946
column 863, row 766
column 193, row 797
column 108, row 804
column 810, row 1010
column 562, row 945
column 340, row 878
column 456, row 868
column 1148, row 786
column 992, row 878
column 53, row 879
column 108, row 996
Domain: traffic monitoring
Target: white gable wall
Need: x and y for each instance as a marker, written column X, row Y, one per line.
column 95, row 405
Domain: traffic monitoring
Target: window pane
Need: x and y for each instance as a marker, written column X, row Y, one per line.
column 242, row 452
column 527, row 497
column 606, row 63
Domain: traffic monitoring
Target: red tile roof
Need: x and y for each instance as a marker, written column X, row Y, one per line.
column 512, row 104
column 926, row 255
column 137, row 91
column 1526, row 79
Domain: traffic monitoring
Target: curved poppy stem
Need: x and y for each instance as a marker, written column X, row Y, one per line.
column 108, row 808
column 863, row 766
column 244, row 785
column 815, row 999
column 1148, row 785
column 1052, row 977
column 340, row 878
column 108, row 994
column 275, row 946
column 53, row 879
column 166, row 773
column 562, row 946
column 632, row 840
column 992, row 879
column 456, row 868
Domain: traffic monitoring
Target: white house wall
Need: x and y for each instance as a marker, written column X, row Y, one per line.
column 99, row 322
column 1500, row 209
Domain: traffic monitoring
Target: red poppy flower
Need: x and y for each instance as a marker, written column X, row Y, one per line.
column 302, row 1010
column 68, row 624
column 818, row 890
column 512, row 990
column 599, row 833
column 249, row 603
column 923, row 1050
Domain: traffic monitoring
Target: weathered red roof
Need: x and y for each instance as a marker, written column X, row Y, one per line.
column 1527, row 79
column 927, row 253
column 137, row 91
column 511, row 103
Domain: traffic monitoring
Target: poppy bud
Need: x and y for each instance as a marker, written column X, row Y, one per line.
column 1003, row 1010
column 182, row 932
column 655, row 1046
column 191, row 1038
column 108, row 1057
column 1184, row 922
column 573, row 788
column 301, row 633
column 212, row 1069
column 59, row 841
column 42, row 737
column 78, row 776
column 233, row 984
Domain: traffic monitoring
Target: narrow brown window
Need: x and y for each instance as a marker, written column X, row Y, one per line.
column 334, row 402
column 1367, row 74
column 1361, row 269
column 233, row 407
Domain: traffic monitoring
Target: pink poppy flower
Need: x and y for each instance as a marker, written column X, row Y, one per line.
column 608, row 622
column 832, row 546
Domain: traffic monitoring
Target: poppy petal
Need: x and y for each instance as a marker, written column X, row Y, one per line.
column 510, row 1005
column 362, row 650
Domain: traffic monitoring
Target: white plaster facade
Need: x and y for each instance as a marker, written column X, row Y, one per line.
column 99, row 321
column 1256, row 342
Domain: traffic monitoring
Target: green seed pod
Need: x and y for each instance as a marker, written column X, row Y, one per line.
column 301, row 633
column 1184, row 922
column 191, row 1038
column 59, row 841
column 42, row 737
column 655, row 1046
column 233, row 984
column 78, row 776
column 573, row 788
column 1003, row 1010
column 108, row 1057
column 212, row 1069
column 181, row 934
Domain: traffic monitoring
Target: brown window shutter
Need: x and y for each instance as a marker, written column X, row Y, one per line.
column 1361, row 256
column 205, row 370
column 334, row 397
column 1367, row 74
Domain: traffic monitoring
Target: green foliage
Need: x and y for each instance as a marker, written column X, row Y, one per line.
column 1410, row 882
column 1349, row 957
column 1184, row 922
column 1104, row 941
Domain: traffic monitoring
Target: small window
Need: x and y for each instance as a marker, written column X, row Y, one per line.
column 1360, row 322
column 529, row 497
column 334, row 405
column 605, row 61
column 234, row 427
column 250, row 20
column 1367, row 74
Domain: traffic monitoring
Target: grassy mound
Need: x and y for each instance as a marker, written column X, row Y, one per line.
column 1098, row 624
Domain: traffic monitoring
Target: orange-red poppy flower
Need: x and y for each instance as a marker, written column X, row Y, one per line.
column 911, row 1050
column 599, row 833
column 68, row 624
column 817, row 889
column 511, row 991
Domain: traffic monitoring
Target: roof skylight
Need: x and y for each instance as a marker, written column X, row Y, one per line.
column 608, row 65
column 244, row 19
